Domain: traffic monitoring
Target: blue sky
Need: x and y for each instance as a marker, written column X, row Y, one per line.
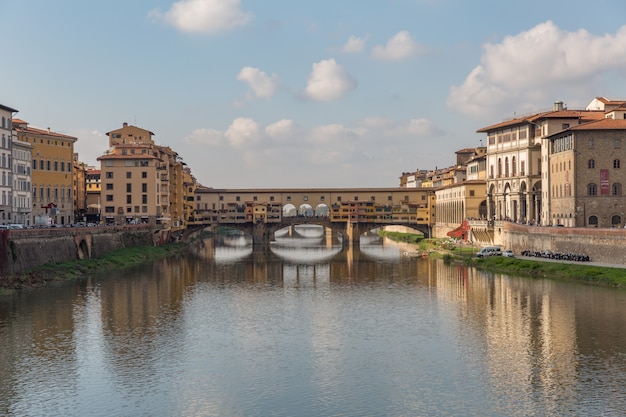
column 277, row 93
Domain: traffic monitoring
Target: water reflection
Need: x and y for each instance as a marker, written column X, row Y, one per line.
column 312, row 329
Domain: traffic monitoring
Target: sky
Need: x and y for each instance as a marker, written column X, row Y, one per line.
column 295, row 94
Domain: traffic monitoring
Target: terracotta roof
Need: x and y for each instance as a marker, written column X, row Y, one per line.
column 35, row 131
column 583, row 115
column 604, row 124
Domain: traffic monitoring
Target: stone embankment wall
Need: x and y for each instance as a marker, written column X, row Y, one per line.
column 22, row 250
column 602, row 245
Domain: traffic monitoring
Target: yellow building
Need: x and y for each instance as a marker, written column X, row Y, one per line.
column 80, row 189
column 92, row 191
column 52, row 176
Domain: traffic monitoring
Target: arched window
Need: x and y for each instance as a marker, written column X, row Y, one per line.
column 591, row 164
column 593, row 221
column 513, row 166
column 499, row 167
column 616, row 163
column 616, row 189
column 592, row 189
column 616, row 221
column 506, row 166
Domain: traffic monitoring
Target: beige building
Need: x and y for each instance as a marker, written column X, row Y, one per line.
column 52, row 173
column 141, row 182
column 456, row 203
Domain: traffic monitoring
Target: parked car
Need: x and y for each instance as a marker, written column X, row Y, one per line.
column 489, row 251
column 508, row 253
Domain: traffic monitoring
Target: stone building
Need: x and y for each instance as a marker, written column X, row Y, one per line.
column 22, row 182
column 587, row 169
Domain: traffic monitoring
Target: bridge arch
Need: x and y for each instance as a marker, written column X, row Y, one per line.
column 289, row 210
column 306, row 210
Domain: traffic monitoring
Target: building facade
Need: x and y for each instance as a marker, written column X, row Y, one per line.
column 6, row 183
column 52, row 173
column 22, row 182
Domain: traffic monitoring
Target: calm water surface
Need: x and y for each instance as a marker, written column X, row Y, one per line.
column 306, row 329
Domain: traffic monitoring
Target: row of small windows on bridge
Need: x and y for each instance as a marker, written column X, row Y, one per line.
column 322, row 198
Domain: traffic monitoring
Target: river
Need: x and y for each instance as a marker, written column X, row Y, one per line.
column 303, row 328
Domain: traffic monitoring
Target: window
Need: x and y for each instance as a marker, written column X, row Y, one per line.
column 591, row 164
column 144, row 188
column 129, row 199
column 593, row 221
column 129, row 174
column 513, row 166
column 522, row 167
column 499, row 167
column 617, row 144
column 56, row 165
column 109, row 197
column 565, row 126
column 48, row 165
column 109, row 186
column 616, row 221
column 144, row 199
column 592, row 143
column 129, row 188
column 109, row 209
column 108, row 174
column 592, row 189
column 144, row 174
column 41, row 164
column 238, row 198
column 471, row 193
column 616, row 189
column 616, row 163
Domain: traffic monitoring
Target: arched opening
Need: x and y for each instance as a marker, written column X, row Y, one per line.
column 289, row 210
column 322, row 210
column 616, row 221
column 305, row 210
column 593, row 221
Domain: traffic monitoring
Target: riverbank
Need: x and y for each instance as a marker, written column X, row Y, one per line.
column 585, row 272
column 51, row 273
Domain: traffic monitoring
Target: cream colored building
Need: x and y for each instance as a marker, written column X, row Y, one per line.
column 517, row 163
column 52, row 173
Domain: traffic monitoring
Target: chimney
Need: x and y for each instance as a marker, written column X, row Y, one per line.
column 125, row 124
column 558, row 105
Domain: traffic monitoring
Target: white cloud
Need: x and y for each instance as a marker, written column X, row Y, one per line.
column 204, row 16
column 329, row 81
column 333, row 133
column 243, row 132
column 262, row 85
column 418, row 128
column 535, row 67
column 281, row 130
column 400, row 46
column 354, row 45
column 210, row 137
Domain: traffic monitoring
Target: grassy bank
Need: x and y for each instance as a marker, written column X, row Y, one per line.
column 63, row 271
column 614, row 277
column 580, row 272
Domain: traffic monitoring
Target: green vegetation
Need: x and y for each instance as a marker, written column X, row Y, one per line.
column 63, row 271
column 448, row 250
column 402, row 237
column 614, row 277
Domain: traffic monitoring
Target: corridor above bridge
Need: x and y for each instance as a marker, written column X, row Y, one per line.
column 380, row 206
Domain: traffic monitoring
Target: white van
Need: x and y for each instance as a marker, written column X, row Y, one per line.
column 489, row 251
